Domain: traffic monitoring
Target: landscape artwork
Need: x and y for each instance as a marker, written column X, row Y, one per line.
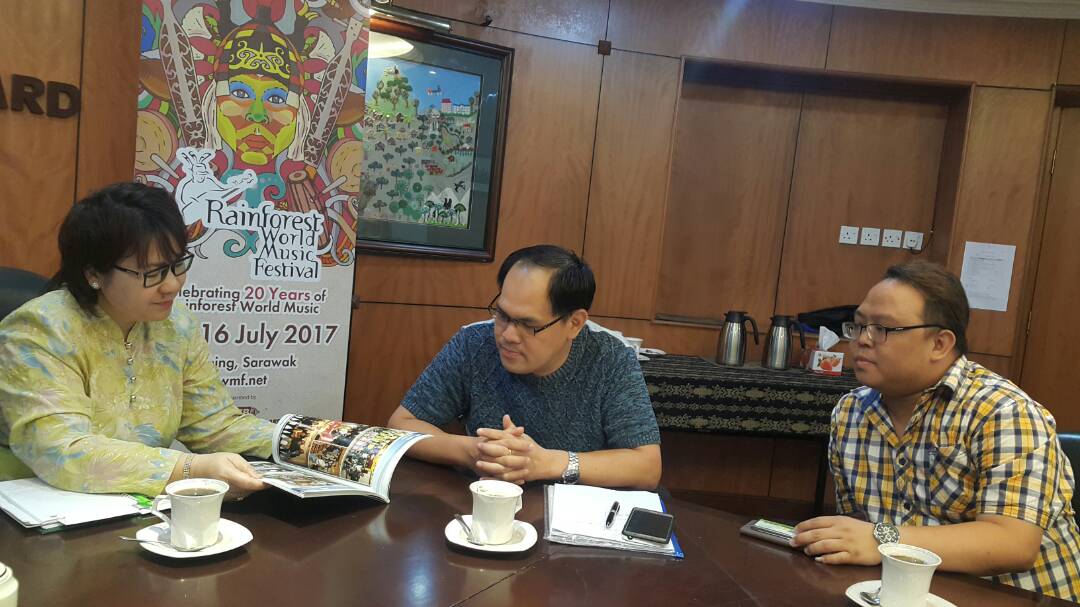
column 419, row 143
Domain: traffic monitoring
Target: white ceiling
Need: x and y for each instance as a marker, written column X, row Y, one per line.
column 1046, row 9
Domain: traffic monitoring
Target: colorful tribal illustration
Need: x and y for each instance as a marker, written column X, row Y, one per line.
column 270, row 95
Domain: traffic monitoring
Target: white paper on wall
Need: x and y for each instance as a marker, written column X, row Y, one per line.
column 987, row 275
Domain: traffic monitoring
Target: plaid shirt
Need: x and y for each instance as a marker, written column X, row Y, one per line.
column 975, row 444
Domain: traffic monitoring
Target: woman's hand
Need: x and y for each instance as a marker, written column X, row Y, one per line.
column 228, row 467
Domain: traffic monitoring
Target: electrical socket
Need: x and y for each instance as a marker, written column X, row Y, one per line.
column 913, row 241
column 892, row 238
column 870, row 237
column 849, row 235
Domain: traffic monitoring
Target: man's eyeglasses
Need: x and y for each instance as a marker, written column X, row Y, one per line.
column 878, row 334
column 502, row 319
column 152, row 278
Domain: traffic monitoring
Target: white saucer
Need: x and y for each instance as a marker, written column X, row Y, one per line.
column 522, row 539
column 231, row 536
column 853, row 591
column 652, row 352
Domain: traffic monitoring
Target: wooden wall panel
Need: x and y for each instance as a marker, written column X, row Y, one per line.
column 998, row 194
column 629, row 181
column 949, row 174
column 1023, row 344
column 781, row 32
column 574, row 20
column 1002, row 365
column 671, row 338
column 545, row 175
column 1069, row 72
column 861, row 162
column 727, row 201
column 37, row 153
column 1049, row 366
column 110, row 71
column 389, row 345
column 998, row 51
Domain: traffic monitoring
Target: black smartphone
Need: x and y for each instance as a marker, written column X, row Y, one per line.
column 649, row 525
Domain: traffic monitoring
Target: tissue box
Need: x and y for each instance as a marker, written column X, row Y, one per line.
column 826, row 362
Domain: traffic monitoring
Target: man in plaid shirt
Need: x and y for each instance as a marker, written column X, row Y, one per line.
column 939, row 452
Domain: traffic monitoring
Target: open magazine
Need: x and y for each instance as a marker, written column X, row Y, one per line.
column 320, row 457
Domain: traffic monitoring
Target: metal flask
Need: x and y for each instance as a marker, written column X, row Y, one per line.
column 777, row 350
column 731, row 350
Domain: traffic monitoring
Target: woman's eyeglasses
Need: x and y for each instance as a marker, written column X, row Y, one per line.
column 152, row 278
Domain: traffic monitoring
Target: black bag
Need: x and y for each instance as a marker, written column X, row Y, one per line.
column 828, row 317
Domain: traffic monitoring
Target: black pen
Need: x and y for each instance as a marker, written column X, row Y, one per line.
column 611, row 514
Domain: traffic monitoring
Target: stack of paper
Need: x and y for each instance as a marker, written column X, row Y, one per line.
column 34, row 503
column 576, row 515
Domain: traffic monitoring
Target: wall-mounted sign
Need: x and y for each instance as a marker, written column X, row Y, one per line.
column 29, row 94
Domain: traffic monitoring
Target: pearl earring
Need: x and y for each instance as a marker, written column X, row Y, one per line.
column 95, row 285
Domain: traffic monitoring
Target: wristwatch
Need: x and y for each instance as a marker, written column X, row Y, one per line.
column 572, row 473
column 886, row 533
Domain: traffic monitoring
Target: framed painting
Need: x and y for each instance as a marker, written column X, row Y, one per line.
column 434, row 131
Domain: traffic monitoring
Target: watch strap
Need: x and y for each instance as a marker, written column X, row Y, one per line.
column 572, row 474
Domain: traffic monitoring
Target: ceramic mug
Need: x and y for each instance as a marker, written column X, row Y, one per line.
column 9, row 587
column 196, row 510
column 494, row 505
column 906, row 572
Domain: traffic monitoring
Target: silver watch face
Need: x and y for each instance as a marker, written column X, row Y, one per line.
column 886, row 533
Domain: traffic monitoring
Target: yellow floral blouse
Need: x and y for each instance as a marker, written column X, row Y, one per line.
column 87, row 411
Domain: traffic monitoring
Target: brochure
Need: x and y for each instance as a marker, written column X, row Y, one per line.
column 318, row 457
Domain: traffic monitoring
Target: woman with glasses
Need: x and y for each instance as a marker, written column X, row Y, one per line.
column 100, row 375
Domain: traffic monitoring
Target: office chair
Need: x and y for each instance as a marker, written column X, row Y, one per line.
column 18, row 287
column 1070, row 444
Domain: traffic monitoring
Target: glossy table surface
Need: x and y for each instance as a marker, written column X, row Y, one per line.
column 352, row 551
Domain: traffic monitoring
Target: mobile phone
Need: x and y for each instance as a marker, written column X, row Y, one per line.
column 770, row 531
column 649, row 525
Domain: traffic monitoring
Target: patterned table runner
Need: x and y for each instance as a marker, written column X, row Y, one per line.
column 697, row 395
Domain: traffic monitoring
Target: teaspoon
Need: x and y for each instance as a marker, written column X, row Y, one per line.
column 872, row 597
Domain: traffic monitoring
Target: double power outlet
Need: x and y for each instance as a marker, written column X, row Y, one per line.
column 873, row 237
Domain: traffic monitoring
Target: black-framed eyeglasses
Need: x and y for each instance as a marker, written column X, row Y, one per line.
column 152, row 278
column 878, row 334
column 502, row 319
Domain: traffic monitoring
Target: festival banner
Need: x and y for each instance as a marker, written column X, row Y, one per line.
column 250, row 113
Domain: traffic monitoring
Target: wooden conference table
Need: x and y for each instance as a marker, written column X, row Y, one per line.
column 347, row 551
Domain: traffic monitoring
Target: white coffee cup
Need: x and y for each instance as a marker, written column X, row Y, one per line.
column 196, row 511
column 9, row 587
column 635, row 343
column 494, row 505
column 906, row 572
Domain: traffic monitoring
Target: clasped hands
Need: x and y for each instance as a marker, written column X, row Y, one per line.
column 511, row 455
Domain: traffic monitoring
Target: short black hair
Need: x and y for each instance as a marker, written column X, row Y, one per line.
column 572, row 284
column 946, row 303
column 115, row 222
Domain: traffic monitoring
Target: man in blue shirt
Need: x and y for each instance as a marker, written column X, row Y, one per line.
column 542, row 396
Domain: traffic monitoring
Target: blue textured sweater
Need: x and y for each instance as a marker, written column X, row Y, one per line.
column 596, row 400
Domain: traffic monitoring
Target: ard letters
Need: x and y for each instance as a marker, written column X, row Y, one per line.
column 62, row 100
